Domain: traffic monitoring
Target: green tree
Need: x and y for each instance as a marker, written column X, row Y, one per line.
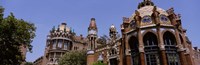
column 98, row 63
column 28, row 63
column 73, row 58
column 13, row 34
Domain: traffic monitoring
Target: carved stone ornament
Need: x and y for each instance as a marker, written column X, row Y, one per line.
column 187, row 51
column 162, row 47
column 128, row 52
column 141, row 48
column 180, row 47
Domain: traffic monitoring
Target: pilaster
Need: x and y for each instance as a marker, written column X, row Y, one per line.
column 161, row 46
column 180, row 48
column 141, row 47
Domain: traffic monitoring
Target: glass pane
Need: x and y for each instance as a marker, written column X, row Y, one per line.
column 54, row 44
column 60, row 43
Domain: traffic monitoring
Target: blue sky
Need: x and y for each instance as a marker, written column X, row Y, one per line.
column 77, row 13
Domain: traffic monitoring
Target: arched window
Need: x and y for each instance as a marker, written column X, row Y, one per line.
column 151, row 49
column 54, row 44
column 171, row 50
column 134, row 46
column 60, row 41
column 66, row 45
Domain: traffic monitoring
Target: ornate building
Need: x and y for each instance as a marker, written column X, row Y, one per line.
column 59, row 41
column 154, row 36
column 151, row 36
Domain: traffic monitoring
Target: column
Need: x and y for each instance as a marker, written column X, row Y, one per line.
column 180, row 48
column 63, row 44
column 141, row 47
column 128, row 55
column 122, row 47
column 162, row 47
column 187, row 55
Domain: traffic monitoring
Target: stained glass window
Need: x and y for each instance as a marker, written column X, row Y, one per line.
column 151, row 49
column 164, row 18
column 146, row 19
column 170, row 47
column 54, row 44
column 60, row 43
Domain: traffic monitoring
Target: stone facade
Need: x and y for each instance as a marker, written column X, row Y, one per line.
column 151, row 36
column 59, row 41
column 154, row 36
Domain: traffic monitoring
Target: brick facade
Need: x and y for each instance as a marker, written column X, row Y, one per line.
column 151, row 36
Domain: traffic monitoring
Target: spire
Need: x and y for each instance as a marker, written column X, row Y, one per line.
column 92, row 24
column 147, row 0
column 145, row 3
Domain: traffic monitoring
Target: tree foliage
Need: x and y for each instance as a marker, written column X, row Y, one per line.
column 73, row 58
column 98, row 63
column 13, row 34
column 28, row 63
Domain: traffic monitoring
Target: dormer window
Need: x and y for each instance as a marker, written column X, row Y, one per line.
column 132, row 24
column 163, row 18
column 146, row 19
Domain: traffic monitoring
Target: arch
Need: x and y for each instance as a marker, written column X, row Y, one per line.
column 169, row 38
column 170, row 48
column 168, row 30
column 134, row 47
column 113, row 51
column 149, row 31
column 151, row 49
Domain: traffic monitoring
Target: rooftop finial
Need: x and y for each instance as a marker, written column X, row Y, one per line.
column 147, row 0
column 145, row 3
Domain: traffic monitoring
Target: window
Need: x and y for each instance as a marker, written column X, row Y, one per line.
column 60, row 43
column 163, row 18
column 151, row 49
column 65, row 45
column 132, row 24
column 133, row 44
column 54, row 44
column 170, row 48
column 146, row 19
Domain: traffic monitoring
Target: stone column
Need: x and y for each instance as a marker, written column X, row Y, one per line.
column 63, row 44
column 127, row 53
column 180, row 48
column 141, row 47
column 56, row 43
column 162, row 47
column 187, row 53
column 122, row 47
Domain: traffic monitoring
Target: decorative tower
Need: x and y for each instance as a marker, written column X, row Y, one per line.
column 113, row 32
column 113, row 47
column 58, row 42
column 92, row 37
column 154, row 36
column 92, row 34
